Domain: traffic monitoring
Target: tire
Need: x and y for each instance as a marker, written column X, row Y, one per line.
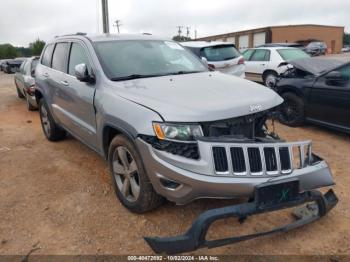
column 132, row 186
column 51, row 130
column 30, row 107
column 291, row 112
column 19, row 93
column 270, row 79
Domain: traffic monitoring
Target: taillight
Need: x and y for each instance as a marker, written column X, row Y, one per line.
column 241, row 61
column 211, row 67
column 31, row 90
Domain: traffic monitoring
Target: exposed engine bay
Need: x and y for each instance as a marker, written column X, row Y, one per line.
column 249, row 128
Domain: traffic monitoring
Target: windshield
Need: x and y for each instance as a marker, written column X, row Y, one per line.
column 127, row 59
column 291, row 54
column 220, row 53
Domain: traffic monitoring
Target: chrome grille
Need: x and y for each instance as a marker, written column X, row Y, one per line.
column 262, row 159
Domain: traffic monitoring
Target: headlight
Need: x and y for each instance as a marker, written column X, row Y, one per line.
column 182, row 132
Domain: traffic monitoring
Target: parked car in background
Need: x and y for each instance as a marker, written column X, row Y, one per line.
column 346, row 49
column 296, row 45
column 11, row 66
column 25, row 82
column 3, row 64
column 170, row 128
column 316, row 48
column 316, row 90
column 263, row 64
column 220, row 56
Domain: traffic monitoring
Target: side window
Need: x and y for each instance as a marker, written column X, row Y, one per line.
column 247, row 54
column 77, row 56
column 60, row 57
column 46, row 59
column 26, row 69
column 345, row 72
column 21, row 68
column 260, row 55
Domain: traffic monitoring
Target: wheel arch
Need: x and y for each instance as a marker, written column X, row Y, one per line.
column 290, row 89
column 268, row 71
column 109, row 132
column 38, row 95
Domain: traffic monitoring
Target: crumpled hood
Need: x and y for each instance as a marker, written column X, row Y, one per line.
column 318, row 65
column 199, row 97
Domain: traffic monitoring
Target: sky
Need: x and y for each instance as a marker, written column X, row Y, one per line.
column 23, row 21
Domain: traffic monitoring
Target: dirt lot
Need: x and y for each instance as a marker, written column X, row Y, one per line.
column 57, row 197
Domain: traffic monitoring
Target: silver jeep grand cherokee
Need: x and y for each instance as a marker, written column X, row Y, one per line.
column 170, row 128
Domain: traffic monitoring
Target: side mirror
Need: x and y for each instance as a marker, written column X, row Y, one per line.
column 204, row 60
column 82, row 73
column 32, row 73
column 336, row 76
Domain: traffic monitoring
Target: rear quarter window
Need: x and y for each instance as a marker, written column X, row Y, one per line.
column 46, row 58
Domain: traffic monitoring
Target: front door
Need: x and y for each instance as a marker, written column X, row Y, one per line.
column 76, row 98
column 330, row 100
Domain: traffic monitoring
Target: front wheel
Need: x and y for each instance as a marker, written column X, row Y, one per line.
column 270, row 79
column 51, row 130
column 291, row 111
column 130, row 181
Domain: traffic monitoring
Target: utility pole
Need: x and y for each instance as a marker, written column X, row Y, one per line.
column 188, row 31
column 117, row 24
column 105, row 19
column 179, row 29
column 195, row 33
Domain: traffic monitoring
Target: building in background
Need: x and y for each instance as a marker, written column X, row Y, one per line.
column 305, row 33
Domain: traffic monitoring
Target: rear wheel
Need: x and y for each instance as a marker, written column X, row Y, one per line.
column 292, row 110
column 51, row 130
column 130, row 181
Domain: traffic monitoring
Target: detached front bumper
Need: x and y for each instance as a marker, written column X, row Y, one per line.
column 194, row 238
column 182, row 180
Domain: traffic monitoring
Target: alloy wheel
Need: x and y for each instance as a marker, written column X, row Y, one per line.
column 45, row 120
column 125, row 173
column 290, row 111
column 270, row 81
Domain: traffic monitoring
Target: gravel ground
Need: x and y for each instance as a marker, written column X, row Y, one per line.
column 57, row 198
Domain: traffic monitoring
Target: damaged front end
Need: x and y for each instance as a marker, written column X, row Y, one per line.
column 240, row 157
column 195, row 237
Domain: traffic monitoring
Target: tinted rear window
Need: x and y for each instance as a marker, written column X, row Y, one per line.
column 60, row 57
column 291, row 54
column 46, row 59
column 220, row 52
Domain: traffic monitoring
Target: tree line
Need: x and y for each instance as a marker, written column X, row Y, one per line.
column 346, row 39
column 8, row 51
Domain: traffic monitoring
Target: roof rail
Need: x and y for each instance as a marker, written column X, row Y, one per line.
column 77, row 33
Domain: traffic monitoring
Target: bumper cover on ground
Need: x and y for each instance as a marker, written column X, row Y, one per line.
column 194, row 238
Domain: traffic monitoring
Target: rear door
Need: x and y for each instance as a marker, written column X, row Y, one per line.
column 256, row 65
column 75, row 99
column 330, row 100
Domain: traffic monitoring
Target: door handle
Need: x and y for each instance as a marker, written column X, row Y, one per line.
column 65, row 83
column 262, row 64
column 45, row 75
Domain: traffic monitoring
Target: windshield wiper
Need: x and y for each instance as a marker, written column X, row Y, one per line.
column 182, row 72
column 133, row 76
